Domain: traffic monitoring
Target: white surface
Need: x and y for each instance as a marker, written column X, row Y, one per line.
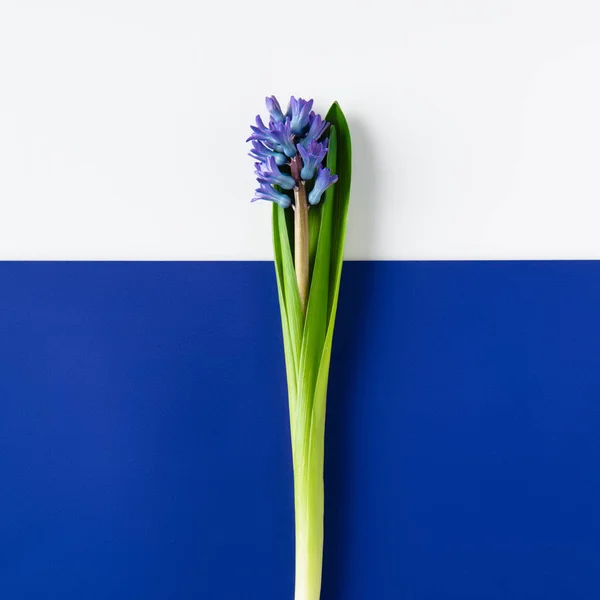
column 476, row 124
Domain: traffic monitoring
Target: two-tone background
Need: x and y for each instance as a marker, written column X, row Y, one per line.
column 144, row 448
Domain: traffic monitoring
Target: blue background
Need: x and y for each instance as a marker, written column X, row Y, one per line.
column 144, row 448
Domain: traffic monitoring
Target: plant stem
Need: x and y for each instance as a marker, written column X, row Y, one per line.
column 309, row 535
column 301, row 258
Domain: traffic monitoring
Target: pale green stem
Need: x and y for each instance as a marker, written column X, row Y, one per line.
column 308, row 469
column 308, row 443
column 309, row 500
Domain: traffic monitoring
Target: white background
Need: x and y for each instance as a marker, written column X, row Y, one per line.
column 476, row 124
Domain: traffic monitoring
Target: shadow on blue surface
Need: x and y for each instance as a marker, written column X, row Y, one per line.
column 144, row 439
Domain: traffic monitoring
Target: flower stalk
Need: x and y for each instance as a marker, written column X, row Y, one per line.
column 301, row 256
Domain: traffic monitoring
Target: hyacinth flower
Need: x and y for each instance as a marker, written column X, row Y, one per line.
column 304, row 169
column 312, row 155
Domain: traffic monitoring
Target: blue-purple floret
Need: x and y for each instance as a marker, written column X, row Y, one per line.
column 274, row 109
column 316, row 128
column 269, row 173
column 324, row 180
column 282, row 134
column 289, row 152
column 263, row 153
column 312, row 155
column 299, row 112
column 268, row 192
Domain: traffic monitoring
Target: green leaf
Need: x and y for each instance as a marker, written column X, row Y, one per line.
column 290, row 366
column 341, row 193
column 339, row 199
column 315, row 325
column 289, row 303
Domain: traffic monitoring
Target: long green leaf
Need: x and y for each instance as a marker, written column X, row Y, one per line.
column 290, row 367
column 341, row 191
column 291, row 310
column 308, row 477
column 315, row 324
column 341, row 200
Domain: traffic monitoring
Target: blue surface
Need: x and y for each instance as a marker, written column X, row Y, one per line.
column 144, row 436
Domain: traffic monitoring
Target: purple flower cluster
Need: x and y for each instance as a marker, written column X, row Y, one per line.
column 290, row 153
